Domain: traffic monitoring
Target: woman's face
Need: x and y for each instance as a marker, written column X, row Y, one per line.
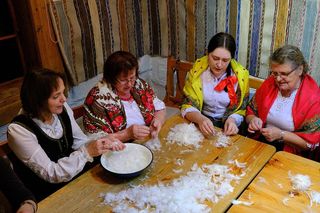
column 287, row 76
column 219, row 60
column 57, row 98
column 125, row 82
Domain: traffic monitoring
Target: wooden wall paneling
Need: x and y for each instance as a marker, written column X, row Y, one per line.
column 26, row 33
column 49, row 53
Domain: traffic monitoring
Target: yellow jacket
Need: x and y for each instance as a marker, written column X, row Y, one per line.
column 193, row 87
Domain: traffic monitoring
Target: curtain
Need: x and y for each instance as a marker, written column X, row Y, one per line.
column 88, row 31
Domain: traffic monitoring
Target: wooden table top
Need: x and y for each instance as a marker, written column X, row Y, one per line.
column 269, row 191
column 83, row 193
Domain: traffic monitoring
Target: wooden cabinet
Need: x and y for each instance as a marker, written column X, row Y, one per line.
column 11, row 55
column 26, row 42
column 27, row 39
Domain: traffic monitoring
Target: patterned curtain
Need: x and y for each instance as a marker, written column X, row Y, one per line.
column 90, row 30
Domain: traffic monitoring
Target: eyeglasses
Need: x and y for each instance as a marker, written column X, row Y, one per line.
column 124, row 82
column 282, row 74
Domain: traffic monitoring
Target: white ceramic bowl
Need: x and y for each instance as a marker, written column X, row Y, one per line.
column 129, row 162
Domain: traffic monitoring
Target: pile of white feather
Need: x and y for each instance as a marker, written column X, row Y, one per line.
column 185, row 134
column 185, row 194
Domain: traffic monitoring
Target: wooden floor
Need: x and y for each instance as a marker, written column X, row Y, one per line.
column 9, row 100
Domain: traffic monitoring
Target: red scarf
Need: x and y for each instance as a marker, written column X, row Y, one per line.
column 229, row 83
column 305, row 109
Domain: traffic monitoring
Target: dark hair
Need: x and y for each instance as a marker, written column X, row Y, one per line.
column 117, row 63
column 226, row 41
column 37, row 86
column 289, row 54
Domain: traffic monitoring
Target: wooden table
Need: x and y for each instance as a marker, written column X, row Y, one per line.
column 82, row 194
column 269, row 191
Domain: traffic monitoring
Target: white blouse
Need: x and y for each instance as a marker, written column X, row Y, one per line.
column 214, row 103
column 26, row 147
column 280, row 114
column 133, row 113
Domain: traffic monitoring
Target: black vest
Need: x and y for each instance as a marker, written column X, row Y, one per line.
column 54, row 148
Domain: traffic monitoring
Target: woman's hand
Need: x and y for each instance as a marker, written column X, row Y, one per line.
column 155, row 127
column 255, row 124
column 230, row 127
column 138, row 132
column 206, row 127
column 102, row 145
column 271, row 133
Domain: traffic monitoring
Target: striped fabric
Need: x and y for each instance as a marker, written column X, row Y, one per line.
column 90, row 30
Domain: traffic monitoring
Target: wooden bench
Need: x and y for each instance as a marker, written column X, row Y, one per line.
column 255, row 82
column 176, row 75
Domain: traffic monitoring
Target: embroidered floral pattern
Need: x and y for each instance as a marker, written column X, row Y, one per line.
column 105, row 112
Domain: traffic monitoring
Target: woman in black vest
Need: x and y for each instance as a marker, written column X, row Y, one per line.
column 48, row 146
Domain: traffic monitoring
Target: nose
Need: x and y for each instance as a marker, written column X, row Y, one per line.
column 63, row 98
column 219, row 63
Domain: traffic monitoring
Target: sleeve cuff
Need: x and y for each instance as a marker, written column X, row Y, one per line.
column 238, row 118
column 158, row 104
column 189, row 109
column 86, row 154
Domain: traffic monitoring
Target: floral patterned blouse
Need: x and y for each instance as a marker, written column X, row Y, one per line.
column 105, row 112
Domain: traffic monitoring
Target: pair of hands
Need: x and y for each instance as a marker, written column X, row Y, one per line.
column 270, row 133
column 140, row 132
column 102, row 145
column 206, row 127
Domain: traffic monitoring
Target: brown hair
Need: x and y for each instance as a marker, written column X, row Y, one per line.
column 117, row 63
column 37, row 86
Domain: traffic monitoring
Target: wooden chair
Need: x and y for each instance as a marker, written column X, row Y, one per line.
column 174, row 88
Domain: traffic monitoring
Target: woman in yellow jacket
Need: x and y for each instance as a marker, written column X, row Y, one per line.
column 217, row 88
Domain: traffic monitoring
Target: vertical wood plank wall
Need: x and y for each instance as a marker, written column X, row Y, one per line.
column 48, row 49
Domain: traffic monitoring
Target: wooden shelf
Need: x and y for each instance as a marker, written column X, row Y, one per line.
column 11, row 54
column 6, row 37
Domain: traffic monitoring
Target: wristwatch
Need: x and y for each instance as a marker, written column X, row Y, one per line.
column 281, row 136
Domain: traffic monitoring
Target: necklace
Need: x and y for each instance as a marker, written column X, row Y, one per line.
column 130, row 98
